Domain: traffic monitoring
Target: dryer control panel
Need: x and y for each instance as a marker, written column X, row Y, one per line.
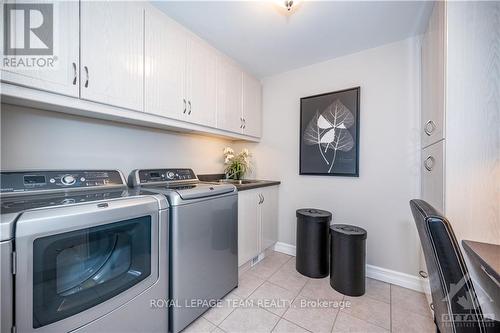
column 167, row 176
column 54, row 180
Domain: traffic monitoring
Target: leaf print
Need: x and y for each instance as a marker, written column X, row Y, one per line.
column 323, row 123
column 312, row 135
column 328, row 137
column 338, row 115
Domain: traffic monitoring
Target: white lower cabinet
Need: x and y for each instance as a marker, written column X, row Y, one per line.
column 269, row 216
column 257, row 221
column 248, row 225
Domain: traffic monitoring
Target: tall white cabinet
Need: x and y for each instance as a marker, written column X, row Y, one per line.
column 112, row 52
column 433, row 57
column 460, row 120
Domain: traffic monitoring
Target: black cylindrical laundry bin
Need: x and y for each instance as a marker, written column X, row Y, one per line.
column 312, row 242
column 348, row 259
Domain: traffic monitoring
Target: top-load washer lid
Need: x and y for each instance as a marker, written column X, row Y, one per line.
column 201, row 190
column 22, row 191
column 177, row 184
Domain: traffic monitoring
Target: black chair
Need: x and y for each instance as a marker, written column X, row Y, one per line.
column 455, row 303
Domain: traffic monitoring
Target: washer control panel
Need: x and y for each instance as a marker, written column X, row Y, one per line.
column 28, row 181
column 164, row 176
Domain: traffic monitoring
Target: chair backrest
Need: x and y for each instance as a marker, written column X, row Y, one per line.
column 455, row 303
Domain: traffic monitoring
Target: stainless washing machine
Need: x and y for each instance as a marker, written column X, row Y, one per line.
column 82, row 253
column 203, row 240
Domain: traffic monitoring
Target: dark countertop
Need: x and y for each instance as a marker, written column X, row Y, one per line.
column 488, row 256
column 255, row 183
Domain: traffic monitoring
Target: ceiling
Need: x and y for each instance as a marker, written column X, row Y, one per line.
column 267, row 41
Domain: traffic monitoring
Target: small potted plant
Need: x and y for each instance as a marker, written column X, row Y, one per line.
column 236, row 165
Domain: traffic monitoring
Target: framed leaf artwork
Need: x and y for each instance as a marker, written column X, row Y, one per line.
column 329, row 134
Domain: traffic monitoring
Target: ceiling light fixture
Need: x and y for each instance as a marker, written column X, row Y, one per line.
column 289, row 5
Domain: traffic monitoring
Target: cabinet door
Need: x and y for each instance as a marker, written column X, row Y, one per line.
column 433, row 175
column 433, row 77
column 248, row 225
column 112, row 53
column 229, row 95
column 201, row 69
column 165, row 65
column 62, row 78
column 424, row 280
column 252, row 106
column 269, row 216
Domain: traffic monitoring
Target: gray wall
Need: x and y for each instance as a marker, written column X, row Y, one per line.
column 389, row 149
column 39, row 139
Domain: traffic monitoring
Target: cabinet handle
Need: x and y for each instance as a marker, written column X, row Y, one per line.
column 189, row 103
column 429, row 163
column 87, row 75
column 185, row 105
column 75, row 73
column 241, row 122
column 263, row 198
column 260, row 199
column 423, row 274
column 429, row 127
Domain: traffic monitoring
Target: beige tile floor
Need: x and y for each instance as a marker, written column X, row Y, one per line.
column 273, row 297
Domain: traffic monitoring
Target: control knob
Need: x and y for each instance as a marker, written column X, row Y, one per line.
column 170, row 175
column 68, row 180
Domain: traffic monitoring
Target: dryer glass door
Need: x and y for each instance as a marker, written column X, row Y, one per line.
column 76, row 270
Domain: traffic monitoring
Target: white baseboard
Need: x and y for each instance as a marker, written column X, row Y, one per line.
column 285, row 248
column 394, row 277
column 374, row 272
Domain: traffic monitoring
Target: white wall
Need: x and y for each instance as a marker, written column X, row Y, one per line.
column 389, row 149
column 40, row 139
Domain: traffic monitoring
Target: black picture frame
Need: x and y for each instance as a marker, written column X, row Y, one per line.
column 319, row 115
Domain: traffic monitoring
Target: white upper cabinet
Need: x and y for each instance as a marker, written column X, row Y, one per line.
column 201, row 82
column 112, row 51
column 252, row 106
column 165, row 65
column 62, row 78
column 433, row 77
column 124, row 56
column 229, row 95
